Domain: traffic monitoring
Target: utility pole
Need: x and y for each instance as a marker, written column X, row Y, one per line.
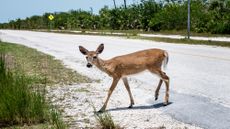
column 91, row 10
column 188, row 27
column 114, row 2
column 125, row 4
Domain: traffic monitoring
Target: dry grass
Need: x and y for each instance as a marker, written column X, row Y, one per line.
column 45, row 68
column 31, row 70
column 105, row 121
column 185, row 41
column 134, row 35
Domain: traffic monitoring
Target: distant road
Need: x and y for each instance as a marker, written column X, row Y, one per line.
column 222, row 39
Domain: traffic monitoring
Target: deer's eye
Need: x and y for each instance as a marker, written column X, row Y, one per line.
column 86, row 57
column 94, row 57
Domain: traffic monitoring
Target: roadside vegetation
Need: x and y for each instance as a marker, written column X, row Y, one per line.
column 207, row 16
column 105, row 121
column 134, row 35
column 185, row 41
column 24, row 75
column 45, row 69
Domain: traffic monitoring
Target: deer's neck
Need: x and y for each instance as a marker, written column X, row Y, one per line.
column 101, row 64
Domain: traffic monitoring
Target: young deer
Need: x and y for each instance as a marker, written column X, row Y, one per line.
column 122, row 66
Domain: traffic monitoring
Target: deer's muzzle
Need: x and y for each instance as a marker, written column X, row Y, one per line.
column 89, row 65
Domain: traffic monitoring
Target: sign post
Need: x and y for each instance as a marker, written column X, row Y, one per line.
column 50, row 17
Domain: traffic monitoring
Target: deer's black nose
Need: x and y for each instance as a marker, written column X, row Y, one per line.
column 89, row 65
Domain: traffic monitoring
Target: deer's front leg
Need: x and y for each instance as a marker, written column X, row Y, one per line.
column 114, row 84
column 125, row 80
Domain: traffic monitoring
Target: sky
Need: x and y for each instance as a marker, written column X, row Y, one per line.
column 13, row 9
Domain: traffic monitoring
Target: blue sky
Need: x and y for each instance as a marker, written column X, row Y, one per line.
column 13, row 9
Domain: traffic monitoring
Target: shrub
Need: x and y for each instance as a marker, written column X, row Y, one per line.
column 19, row 104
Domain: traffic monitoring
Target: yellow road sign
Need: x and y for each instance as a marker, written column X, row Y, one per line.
column 51, row 17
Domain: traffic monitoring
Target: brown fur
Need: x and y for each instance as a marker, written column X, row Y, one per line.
column 122, row 66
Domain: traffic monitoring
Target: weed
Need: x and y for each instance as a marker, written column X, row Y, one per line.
column 186, row 41
column 105, row 120
column 23, row 95
column 19, row 104
column 55, row 119
column 39, row 65
column 81, row 90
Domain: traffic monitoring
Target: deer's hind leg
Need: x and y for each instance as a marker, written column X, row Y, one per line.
column 164, row 78
column 158, row 89
column 125, row 80
column 166, row 81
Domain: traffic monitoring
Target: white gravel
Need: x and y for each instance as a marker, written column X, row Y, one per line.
column 199, row 89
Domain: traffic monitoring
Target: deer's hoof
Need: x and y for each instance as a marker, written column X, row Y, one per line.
column 165, row 103
column 156, row 98
column 130, row 106
column 101, row 110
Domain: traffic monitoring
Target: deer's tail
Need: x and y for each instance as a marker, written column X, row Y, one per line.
column 166, row 59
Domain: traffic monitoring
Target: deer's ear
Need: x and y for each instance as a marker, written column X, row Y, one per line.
column 100, row 48
column 83, row 50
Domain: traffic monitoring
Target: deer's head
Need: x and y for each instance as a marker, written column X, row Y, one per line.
column 91, row 56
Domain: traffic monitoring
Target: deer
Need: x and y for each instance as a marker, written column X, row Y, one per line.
column 122, row 66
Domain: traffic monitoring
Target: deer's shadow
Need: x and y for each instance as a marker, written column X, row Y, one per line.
column 158, row 105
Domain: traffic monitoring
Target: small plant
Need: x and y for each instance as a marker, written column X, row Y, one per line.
column 55, row 119
column 81, row 90
column 105, row 121
column 19, row 104
column 22, row 102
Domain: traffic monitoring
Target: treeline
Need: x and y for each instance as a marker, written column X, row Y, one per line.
column 206, row 16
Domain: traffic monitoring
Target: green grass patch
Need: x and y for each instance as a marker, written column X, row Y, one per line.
column 184, row 33
column 24, row 74
column 134, row 35
column 185, row 41
column 81, row 90
column 20, row 102
column 136, row 32
column 105, row 121
column 41, row 67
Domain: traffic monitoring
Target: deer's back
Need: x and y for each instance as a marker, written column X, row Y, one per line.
column 138, row 61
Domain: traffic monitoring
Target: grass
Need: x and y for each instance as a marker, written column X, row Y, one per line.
column 105, row 121
column 19, row 104
column 134, row 35
column 55, row 119
column 135, row 32
column 24, row 73
column 185, row 41
column 45, row 68
column 82, row 90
